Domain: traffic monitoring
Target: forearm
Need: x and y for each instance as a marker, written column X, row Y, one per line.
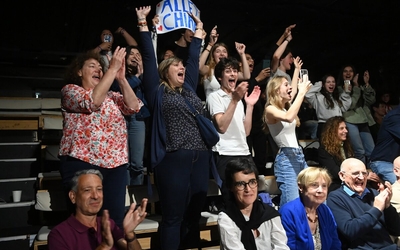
column 295, row 80
column 248, row 119
column 132, row 242
column 101, row 89
column 291, row 114
column 129, row 96
column 246, row 69
column 277, row 55
column 203, row 59
column 128, row 38
column 225, row 119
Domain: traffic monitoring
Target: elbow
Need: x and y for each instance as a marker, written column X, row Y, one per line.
column 221, row 130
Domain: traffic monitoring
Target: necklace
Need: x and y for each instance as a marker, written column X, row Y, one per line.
column 311, row 220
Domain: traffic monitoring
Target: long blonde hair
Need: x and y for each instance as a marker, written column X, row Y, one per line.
column 274, row 99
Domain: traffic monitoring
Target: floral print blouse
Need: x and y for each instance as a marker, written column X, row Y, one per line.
column 97, row 135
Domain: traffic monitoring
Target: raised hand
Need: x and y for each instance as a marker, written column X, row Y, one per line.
column 105, row 46
column 108, row 240
column 134, row 217
column 142, row 12
column 264, row 73
column 298, row 62
column 121, row 72
column 288, row 30
column 253, row 97
column 139, row 61
column 240, row 48
column 355, row 80
column 213, row 35
column 240, row 91
column 196, row 20
column 304, row 85
column 118, row 59
column 380, row 200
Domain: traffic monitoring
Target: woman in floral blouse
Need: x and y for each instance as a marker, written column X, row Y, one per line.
column 94, row 128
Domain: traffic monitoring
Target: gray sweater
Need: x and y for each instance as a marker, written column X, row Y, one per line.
column 317, row 100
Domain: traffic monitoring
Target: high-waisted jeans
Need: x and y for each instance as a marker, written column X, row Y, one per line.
column 288, row 164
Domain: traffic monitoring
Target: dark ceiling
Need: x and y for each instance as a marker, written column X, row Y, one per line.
column 40, row 37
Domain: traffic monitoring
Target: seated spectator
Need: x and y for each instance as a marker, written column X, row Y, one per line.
column 246, row 222
column 387, row 146
column 386, row 99
column 84, row 229
column 334, row 148
column 365, row 218
column 308, row 222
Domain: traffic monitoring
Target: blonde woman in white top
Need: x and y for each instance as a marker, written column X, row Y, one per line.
column 280, row 115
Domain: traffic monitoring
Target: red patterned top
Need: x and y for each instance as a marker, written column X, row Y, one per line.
column 94, row 135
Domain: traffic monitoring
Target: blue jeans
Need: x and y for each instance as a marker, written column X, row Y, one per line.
column 288, row 164
column 384, row 170
column 114, row 185
column 361, row 140
column 182, row 183
column 136, row 140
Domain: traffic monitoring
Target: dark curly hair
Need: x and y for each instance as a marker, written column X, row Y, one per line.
column 225, row 63
column 330, row 140
column 71, row 74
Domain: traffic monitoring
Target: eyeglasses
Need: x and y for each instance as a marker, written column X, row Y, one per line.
column 240, row 185
column 357, row 174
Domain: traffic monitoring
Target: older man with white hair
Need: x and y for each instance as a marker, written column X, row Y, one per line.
column 365, row 217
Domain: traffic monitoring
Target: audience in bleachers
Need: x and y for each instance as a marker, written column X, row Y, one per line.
column 336, row 115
